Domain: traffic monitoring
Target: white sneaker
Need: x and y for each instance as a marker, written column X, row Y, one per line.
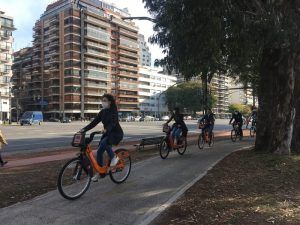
column 96, row 177
column 114, row 161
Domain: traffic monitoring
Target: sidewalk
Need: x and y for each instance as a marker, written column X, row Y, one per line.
column 64, row 155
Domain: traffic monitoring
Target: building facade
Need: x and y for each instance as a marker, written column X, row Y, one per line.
column 6, row 40
column 144, row 52
column 152, row 85
column 22, row 72
column 219, row 88
column 81, row 50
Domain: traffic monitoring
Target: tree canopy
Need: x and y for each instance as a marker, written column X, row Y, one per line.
column 187, row 96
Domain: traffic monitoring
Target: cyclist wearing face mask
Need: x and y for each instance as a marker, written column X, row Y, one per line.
column 112, row 133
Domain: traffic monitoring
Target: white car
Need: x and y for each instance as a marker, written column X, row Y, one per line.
column 137, row 119
column 149, row 118
column 165, row 118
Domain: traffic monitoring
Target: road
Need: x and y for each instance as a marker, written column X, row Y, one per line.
column 152, row 184
column 56, row 135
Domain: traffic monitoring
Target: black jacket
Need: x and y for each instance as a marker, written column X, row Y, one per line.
column 110, row 119
column 237, row 118
column 209, row 119
column 179, row 121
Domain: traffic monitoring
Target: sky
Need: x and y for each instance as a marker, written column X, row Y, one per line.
column 26, row 12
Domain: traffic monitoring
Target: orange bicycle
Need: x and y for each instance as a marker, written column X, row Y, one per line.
column 75, row 177
column 205, row 138
column 167, row 144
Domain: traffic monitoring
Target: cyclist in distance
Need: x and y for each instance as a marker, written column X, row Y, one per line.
column 254, row 116
column 238, row 119
column 112, row 133
column 209, row 122
column 179, row 126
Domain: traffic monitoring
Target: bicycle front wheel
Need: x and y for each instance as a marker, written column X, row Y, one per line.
column 73, row 180
column 164, row 149
column 212, row 140
column 233, row 136
column 122, row 170
column 182, row 149
column 201, row 141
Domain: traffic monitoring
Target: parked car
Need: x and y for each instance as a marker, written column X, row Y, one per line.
column 52, row 119
column 137, row 118
column 165, row 118
column 31, row 117
column 149, row 118
column 129, row 119
column 65, row 120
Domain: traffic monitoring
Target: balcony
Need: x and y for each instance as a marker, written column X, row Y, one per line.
column 94, row 93
column 128, row 33
column 128, row 60
column 5, row 47
column 96, row 21
column 96, row 75
column 96, row 45
column 96, row 61
column 127, row 67
column 7, row 25
column 95, row 85
column 97, row 53
column 122, row 52
column 5, row 35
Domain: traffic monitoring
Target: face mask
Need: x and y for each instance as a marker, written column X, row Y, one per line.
column 105, row 105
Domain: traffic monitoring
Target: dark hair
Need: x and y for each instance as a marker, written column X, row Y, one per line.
column 176, row 109
column 110, row 98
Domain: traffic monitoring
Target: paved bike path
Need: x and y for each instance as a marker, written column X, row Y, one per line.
column 152, row 183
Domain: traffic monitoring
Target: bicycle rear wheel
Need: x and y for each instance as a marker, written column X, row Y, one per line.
column 122, row 170
column 212, row 140
column 201, row 141
column 233, row 136
column 73, row 179
column 252, row 132
column 164, row 149
column 182, row 150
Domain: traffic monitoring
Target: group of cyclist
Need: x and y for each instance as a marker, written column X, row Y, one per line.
column 113, row 133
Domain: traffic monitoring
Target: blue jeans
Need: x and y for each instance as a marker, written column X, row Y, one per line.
column 176, row 133
column 209, row 128
column 103, row 145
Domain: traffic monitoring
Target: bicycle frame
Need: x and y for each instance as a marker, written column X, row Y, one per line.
column 97, row 167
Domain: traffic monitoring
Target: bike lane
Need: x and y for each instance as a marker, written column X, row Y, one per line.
column 152, row 185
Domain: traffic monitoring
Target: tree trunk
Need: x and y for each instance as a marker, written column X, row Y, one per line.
column 276, row 112
column 296, row 133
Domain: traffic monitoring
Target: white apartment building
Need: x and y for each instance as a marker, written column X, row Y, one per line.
column 152, row 85
column 6, row 40
column 144, row 52
column 219, row 88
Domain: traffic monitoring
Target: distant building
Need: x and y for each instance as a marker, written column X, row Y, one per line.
column 6, row 40
column 152, row 85
column 240, row 95
column 144, row 52
column 22, row 72
column 81, row 50
column 219, row 88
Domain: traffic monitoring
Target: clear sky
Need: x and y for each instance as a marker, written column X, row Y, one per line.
column 26, row 12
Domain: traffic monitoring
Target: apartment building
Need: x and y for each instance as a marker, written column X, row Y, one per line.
column 81, row 50
column 22, row 72
column 6, row 40
column 219, row 88
column 144, row 52
column 152, row 84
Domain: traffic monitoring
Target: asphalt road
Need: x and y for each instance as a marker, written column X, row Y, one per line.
column 152, row 185
column 56, row 135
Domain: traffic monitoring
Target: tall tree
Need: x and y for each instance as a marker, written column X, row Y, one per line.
column 247, row 38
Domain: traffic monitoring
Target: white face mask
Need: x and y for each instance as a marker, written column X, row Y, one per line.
column 105, row 105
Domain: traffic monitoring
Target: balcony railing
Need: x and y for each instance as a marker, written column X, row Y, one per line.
column 96, row 61
column 95, row 85
column 97, row 45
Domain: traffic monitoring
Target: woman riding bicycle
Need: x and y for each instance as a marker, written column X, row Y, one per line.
column 179, row 126
column 112, row 133
column 209, row 123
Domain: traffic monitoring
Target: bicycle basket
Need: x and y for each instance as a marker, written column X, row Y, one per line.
column 78, row 140
column 166, row 128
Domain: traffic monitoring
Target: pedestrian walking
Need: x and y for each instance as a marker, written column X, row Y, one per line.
column 2, row 141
